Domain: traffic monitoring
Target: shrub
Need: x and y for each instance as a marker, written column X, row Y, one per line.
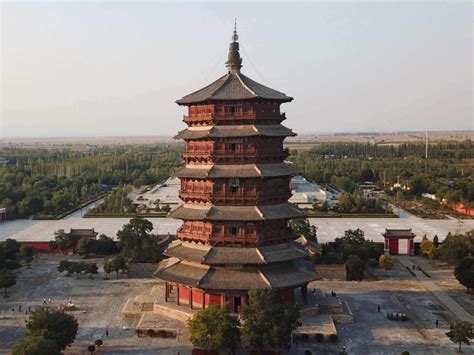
column 405, row 353
column 151, row 333
column 308, row 352
column 304, row 337
column 333, row 338
column 319, row 337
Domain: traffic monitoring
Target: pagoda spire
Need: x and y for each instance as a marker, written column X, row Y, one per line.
column 234, row 62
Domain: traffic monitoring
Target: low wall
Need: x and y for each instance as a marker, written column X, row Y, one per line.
column 331, row 271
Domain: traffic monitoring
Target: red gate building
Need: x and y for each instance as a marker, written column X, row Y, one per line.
column 399, row 241
column 235, row 186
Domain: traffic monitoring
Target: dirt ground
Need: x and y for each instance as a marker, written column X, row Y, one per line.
column 100, row 301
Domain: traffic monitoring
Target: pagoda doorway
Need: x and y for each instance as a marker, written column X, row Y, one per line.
column 237, row 302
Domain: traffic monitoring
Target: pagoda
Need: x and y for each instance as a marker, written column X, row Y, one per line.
column 235, row 185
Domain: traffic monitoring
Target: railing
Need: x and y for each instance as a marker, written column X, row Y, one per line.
column 184, row 194
column 249, row 115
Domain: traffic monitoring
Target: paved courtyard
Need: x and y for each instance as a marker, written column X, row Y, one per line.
column 100, row 301
column 328, row 228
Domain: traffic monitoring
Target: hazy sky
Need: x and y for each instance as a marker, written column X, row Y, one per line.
column 116, row 68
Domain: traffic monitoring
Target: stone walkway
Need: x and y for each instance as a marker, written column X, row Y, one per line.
column 431, row 286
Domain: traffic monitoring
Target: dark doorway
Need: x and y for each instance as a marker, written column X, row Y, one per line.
column 237, row 303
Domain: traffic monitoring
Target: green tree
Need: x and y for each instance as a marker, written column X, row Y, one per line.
column 387, row 262
column 464, row 272
column 268, row 322
column 91, row 348
column 425, row 245
column 137, row 243
column 213, row 328
column 27, row 253
column 373, row 263
column 355, row 267
column 35, row 345
column 7, row 280
column 76, row 268
column 433, row 253
column 90, row 268
column 108, row 268
column 65, row 266
column 63, row 240
column 455, row 247
column 436, row 241
column 461, row 332
column 118, row 264
column 53, row 246
column 84, row 246
column 54, row 325
column 300, row 226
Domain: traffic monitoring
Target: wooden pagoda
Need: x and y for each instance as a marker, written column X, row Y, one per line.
column 235, row 186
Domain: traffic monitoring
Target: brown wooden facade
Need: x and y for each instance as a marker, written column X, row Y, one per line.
column 235, row 190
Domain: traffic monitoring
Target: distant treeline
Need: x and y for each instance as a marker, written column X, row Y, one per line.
column 346, row 164
column 47, row 183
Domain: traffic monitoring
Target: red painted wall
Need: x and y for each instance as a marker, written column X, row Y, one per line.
column 213, row 299
column 41, row 247
column 393, row 246
column 197, row 299
column 184, row 295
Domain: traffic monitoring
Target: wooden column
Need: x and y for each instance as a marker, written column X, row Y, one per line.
column 177, row 295
column 166, row 291
column 191, row 298
column 222, row 300
column 203, row 300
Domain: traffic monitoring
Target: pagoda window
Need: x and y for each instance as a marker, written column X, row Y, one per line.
column 233, row 230
column 234, row 185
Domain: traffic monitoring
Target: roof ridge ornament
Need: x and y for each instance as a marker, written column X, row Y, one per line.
column 234, row 62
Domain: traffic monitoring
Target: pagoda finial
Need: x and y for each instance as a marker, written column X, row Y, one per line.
column 234, row 62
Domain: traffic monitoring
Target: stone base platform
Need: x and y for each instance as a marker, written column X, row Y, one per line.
column 322, row 324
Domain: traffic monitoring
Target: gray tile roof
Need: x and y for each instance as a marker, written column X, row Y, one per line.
column 228, row 255
column 236, row 131
column 397, row 233
column 181, row 273
column 237, row 171
column 282, row 275
column 233, row 86
column 247, row 278
column 237, row 213
column 289, row 274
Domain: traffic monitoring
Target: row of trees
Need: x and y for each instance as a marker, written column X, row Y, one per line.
column 136, row 242
column 346, row 164
column 457, row 250
column 47, row 183
column 12, row 258
column 116, row 264
column 265, row 323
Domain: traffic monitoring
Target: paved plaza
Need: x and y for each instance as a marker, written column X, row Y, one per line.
column 328, row 228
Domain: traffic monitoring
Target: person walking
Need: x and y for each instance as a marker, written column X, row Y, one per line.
column 378, row 308
column 437, row 323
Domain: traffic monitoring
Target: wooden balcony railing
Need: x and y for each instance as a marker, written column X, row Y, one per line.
column 248, row 115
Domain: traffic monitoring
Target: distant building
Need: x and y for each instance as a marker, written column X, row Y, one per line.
column 3, row 214
column 430, row 196
column 399, row 242
column 307, row 193
column 167, row 193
